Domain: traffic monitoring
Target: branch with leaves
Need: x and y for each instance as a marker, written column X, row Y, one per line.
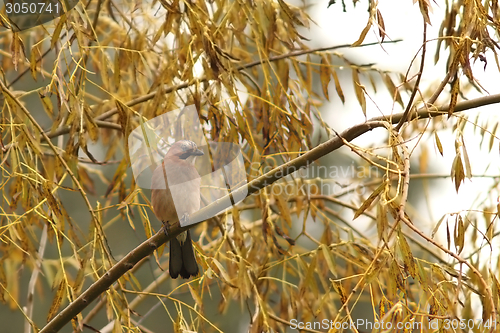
column 303, row 161
column 99, row 71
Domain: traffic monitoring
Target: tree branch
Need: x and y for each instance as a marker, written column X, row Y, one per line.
column 148, row 246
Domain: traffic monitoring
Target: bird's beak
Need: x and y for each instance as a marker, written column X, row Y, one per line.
column 198, row 152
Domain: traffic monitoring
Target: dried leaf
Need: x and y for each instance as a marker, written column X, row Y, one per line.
column 282, row 204
column 338, row 88
column 396, row 275
column 495, row 290
column 457, row 171
column 492, row 135
column 381, row 24
column 392, row 89
column 362, row 36
column 459, row 234
column 448, row 238
column 438, row 143
column 118, row 176
column 324, row 75
column 367, row 203
column 47, row 104
column 424, row 10
column 454, row 96
column 57, row 31
column 222, row 270
column 309, row 280
column 52, row 202
column 309, row 75
column 340, row 290
column 382, row 222
column 407, row 255
column 196, row 296
column 290, row 13
column 16, row 48
column 436, row 227
column 35, row 51
column 78, row 283
column 56, row 302
column 468, row 170
column 329, row 259
column 359, row 89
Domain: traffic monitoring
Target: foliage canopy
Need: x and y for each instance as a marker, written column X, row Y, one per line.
column 293, row 251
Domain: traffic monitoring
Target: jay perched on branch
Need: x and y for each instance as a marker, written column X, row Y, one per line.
column 183, row 184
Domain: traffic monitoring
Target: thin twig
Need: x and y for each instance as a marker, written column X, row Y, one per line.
column 417, row 83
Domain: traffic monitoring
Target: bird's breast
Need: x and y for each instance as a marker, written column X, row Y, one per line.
column 175, row 190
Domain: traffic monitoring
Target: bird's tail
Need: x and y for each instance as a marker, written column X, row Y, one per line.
column 182, row 260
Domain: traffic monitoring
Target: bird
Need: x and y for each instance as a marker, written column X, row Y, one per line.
column 183, row 184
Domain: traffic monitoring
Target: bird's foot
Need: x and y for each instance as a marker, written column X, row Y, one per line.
column 166, row 228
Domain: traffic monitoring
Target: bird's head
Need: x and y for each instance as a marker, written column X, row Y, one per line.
column 183, row 149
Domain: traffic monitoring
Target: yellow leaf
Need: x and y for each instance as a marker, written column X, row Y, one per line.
column 396, row 275
column 363, row 34
column 468, row 170
column 438, row 143
column 495, row 290
column 329, row 259
column 92, row 128
column 381, row 25
column 290, row 13
column 454, row 96
column 457, row 172
column 438, row 224
column 424, row 10
column 382, row 222
column 33, row 60
column 104, row 69
column 309, row 280
column 407, row 255
column 324, row 74
column 222, row 270
column 56, row 303
column 52, row 202
column 492, row 136
column 57, row 31
column 392, row 89
column 369, row 201
column 338, row 88
column 358, row 88
column 16, row 47
column 47, row 104
column 340, row 290
column 283, row 206
column 459, row 234
column 196, row 296
column 255, row 166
